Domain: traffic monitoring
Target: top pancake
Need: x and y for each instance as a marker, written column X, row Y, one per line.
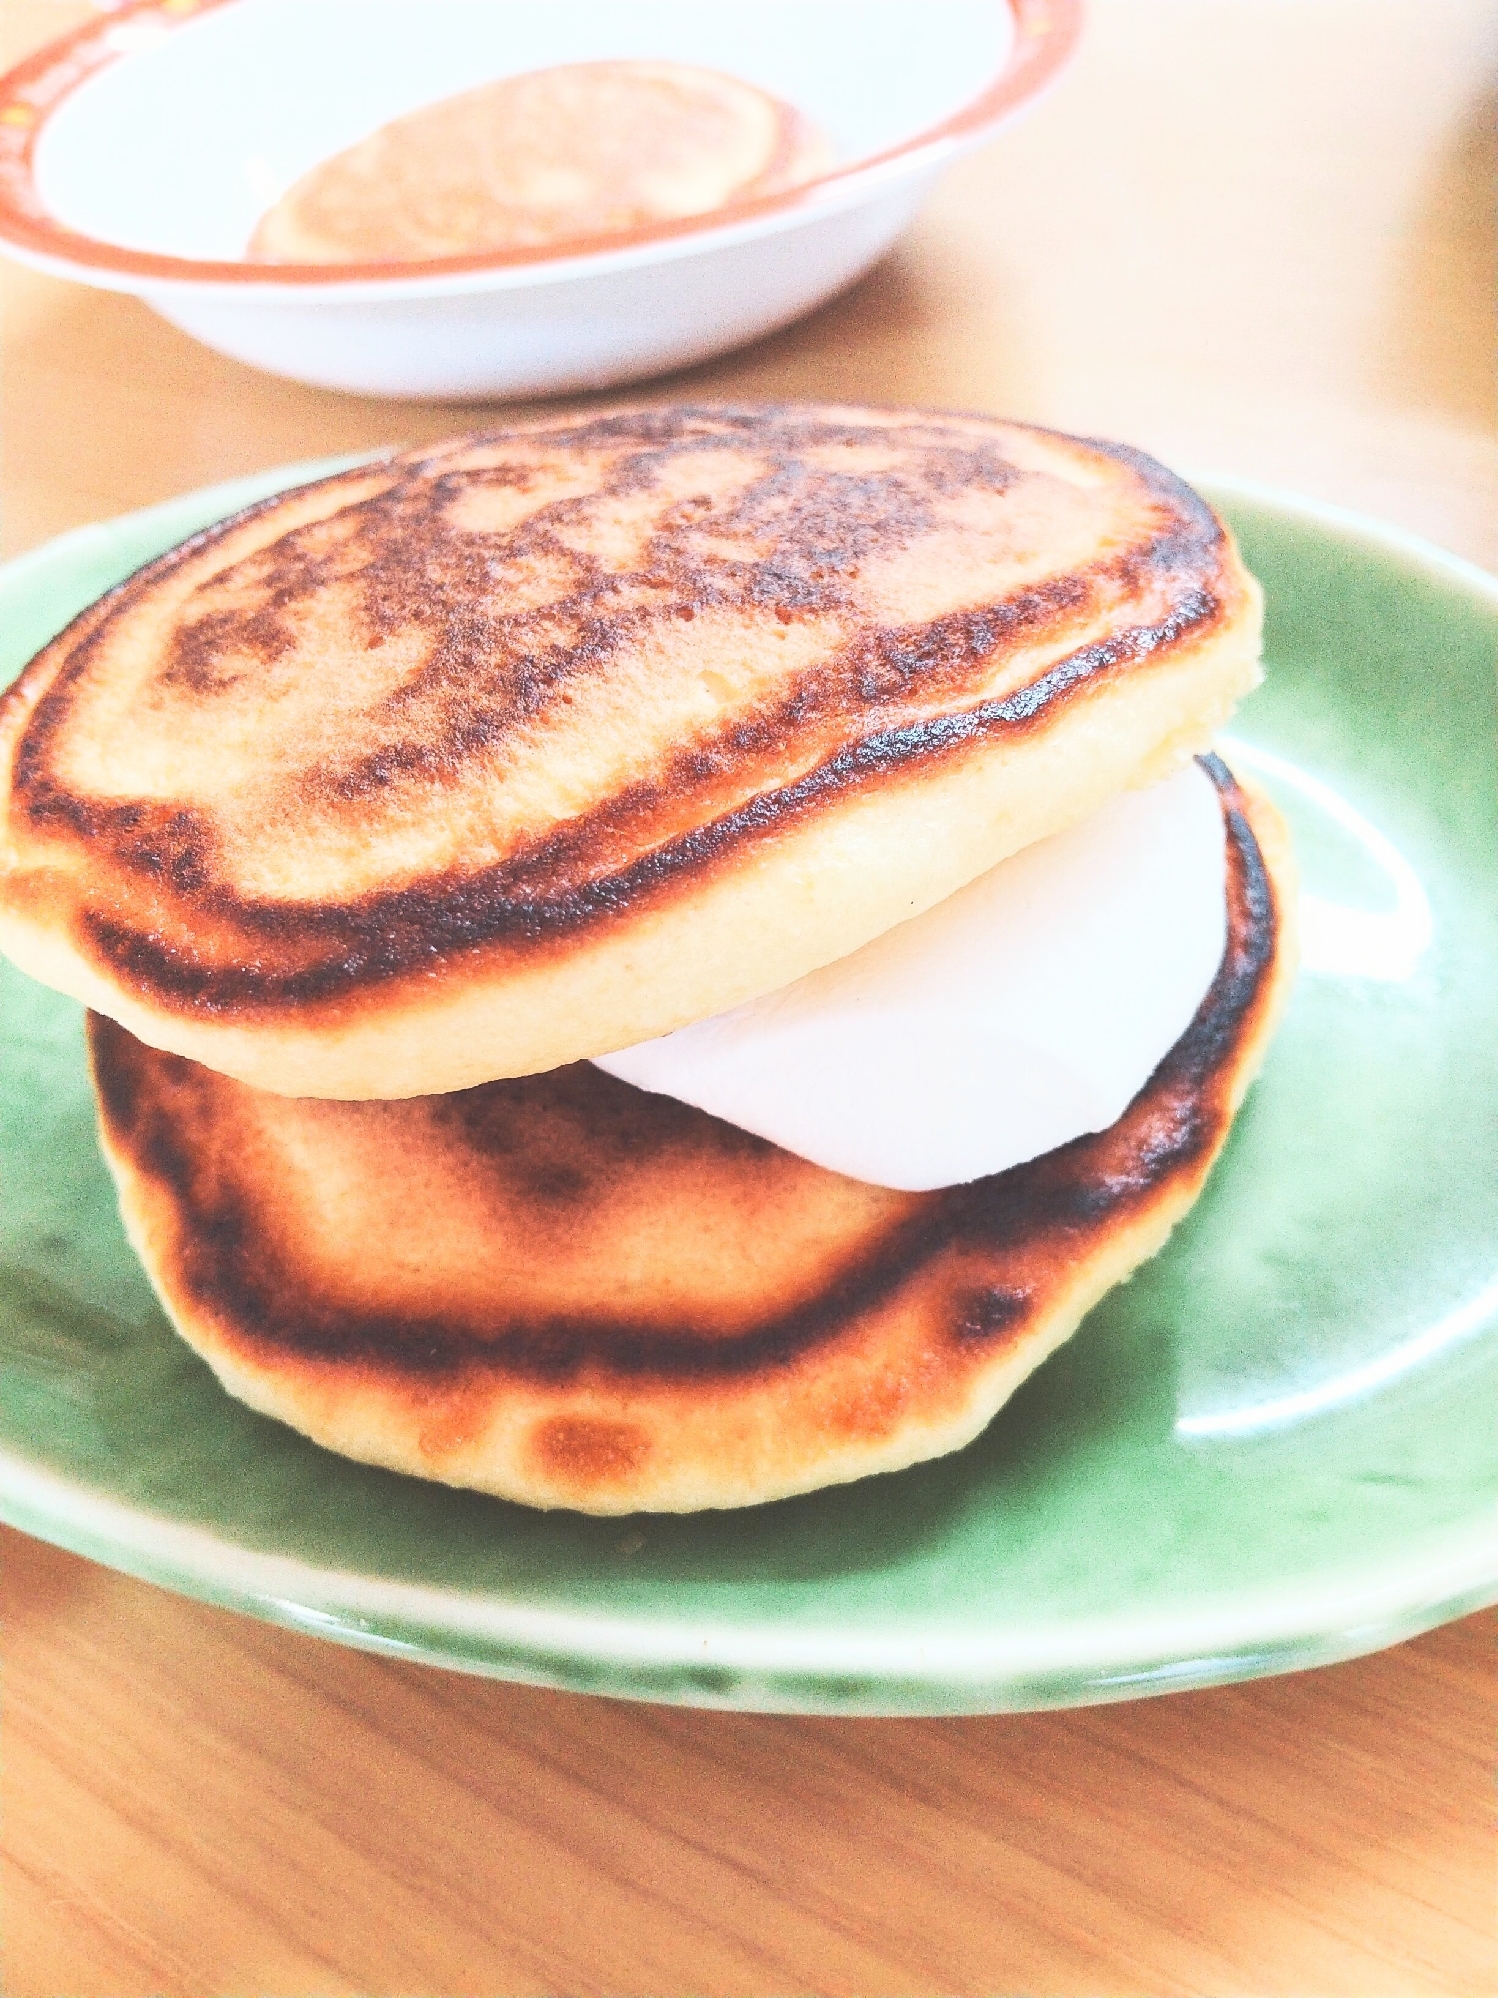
column 483, row 759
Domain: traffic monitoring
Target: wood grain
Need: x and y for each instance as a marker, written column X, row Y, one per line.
column 1254, row 236
column 196, row 1804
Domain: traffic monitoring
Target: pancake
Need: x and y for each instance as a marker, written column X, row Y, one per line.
column 484, row 759
column 556, row 156
column 570, row 1292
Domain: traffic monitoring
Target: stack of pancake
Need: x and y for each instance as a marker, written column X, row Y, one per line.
column 369, row 821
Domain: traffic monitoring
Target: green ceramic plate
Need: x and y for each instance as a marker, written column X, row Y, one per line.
column 1271, row 1449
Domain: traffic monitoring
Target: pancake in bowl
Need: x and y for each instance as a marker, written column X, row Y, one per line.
column 488, row 758
column 558, row 156
column 569, row 1292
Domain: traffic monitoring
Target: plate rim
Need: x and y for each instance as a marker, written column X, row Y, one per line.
column 759, row 1666
column 807, row 1669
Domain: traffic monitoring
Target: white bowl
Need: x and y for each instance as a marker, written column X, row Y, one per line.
column 138, row 153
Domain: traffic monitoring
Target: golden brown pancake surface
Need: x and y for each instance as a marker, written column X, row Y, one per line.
column 571, row 1292
column 493, row 756
column 578, row 151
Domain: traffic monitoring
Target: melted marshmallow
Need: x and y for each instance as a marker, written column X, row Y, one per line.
column 1025, row 1010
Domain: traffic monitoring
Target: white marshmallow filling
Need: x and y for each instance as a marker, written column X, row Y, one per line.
column 1024, row 1011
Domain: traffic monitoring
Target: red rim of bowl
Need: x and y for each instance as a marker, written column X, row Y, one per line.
column 1045, row 34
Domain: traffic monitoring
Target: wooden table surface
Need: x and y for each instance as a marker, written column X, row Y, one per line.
column 1253, row 236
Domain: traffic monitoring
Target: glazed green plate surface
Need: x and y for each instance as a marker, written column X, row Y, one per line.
column 1272, row 1448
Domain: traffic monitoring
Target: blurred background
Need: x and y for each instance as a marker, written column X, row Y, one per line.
column 1252, row 236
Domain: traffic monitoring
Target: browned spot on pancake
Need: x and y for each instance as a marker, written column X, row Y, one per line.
column 991, row 1313
column 466, row 605
column 585, row 1451
column 569, row 1213
column 879, row 1403
column 451, row 1416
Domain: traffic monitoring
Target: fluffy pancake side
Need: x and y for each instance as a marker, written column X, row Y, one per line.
column 488, row 758
column 571, row 1293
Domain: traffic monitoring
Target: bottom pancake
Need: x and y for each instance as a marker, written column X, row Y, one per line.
column 569, row 1292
